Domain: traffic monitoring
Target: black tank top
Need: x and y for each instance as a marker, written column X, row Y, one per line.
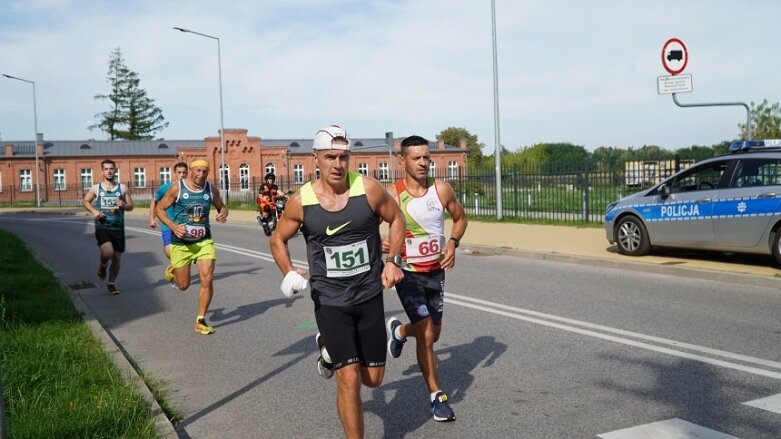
column 343, row 248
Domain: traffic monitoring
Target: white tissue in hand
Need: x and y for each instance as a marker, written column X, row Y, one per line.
column 293, row 283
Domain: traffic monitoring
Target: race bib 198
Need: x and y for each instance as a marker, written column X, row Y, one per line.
column 423, row 248
column 347, row 260
column 194, row 233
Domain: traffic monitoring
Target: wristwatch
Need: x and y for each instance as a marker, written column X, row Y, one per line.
column 456, row 240
column 396, row 260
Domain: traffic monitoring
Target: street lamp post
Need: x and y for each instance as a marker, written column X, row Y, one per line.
column 223, row 170
column 498, row 147
column 35, row 141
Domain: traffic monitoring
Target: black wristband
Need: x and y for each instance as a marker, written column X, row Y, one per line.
column 456, row 240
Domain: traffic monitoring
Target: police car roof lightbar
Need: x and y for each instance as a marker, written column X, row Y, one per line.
column 745, row 145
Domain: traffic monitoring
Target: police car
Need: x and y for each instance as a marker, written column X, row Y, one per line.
column 727, row 203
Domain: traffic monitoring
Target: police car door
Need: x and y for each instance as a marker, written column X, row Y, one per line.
column 684, row 217
column 746, row 206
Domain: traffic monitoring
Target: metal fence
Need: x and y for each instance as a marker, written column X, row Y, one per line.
column 578, row 191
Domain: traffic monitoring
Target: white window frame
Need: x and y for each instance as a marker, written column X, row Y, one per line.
column 25, row 180
column 298, row 173
column 86, row 178
column 432, row 168
column 59, row 179
column 165, row 175
column 225, row 177
column 382, row 172
column 139, row 177
column 363, row 169
column 244, row 176
column 270, row 168
column 452, row 168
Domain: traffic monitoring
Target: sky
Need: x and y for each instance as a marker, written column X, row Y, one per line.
column 583, row 72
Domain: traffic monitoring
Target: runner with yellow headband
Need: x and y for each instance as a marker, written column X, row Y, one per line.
column 192, row 242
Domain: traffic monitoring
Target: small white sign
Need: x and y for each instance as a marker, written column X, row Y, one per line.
column 674, row 84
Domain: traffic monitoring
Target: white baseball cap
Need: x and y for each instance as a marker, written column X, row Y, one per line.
column 325, row 137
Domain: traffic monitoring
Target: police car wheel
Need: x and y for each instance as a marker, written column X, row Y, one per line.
column 777, row 247
column 632, row 237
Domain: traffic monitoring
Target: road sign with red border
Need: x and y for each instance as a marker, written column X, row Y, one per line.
column 674, row 56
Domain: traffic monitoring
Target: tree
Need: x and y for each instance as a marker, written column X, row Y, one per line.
column 765, row 121
column 547, row 157
column 133, row 115
column 453, row 136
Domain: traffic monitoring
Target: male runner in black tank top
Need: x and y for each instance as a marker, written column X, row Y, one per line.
column 339, row 215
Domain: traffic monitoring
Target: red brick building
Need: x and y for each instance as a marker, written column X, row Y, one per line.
column 68, row 168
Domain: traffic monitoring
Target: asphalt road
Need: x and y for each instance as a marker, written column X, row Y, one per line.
column 530, row 348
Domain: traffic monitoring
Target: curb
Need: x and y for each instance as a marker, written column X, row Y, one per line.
column 645, row 267
column 164, row 428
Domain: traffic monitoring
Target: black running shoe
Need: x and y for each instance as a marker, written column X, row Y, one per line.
column 394, row 344
column 112, row 289
column 101, row 272
column 441, row 410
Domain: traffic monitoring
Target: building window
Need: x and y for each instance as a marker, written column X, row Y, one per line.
column 225, row 177
column 452, row 169
column 165, row 175
column 117, row 178
column 271, row 169
column 383, row 172
column 139, row 177
column 59, row 179
column 244, row 176
column 86, row 178
column 298, row 173
column 25, row 180
column 432, row 169
column 363, row 169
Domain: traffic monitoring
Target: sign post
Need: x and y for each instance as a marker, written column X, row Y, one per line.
column 675, row 57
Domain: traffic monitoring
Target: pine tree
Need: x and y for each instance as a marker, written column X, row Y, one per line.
column 133, row 115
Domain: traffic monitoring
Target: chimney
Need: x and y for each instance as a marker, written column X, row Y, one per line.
column 389, row 139
column 462, row 143
column 9, row 150
column 440, row 144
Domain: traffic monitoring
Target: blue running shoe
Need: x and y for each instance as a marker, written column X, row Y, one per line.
column 325, row 369
column 394, row 344
column 441, row 409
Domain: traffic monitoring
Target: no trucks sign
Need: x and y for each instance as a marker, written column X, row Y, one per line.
column 674, row 56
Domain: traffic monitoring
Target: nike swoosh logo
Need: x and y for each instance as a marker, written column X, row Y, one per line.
column 329, row 231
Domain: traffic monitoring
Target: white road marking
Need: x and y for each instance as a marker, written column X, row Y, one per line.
column 518, row 313
column 770, row 403
column 670, row 429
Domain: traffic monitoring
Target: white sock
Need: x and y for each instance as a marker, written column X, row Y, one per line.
column 397, row 334
column 434, row 395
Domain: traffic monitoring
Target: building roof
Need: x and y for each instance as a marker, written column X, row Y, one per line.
column 108, row 148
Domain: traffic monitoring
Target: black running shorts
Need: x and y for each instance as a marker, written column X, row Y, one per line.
column 115, row 237
column 354, row 334
column 422, row 295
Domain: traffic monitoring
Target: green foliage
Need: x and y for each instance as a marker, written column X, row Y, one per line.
column 695, row 152
column 132, row 114
column 546, row 157
column 453, row 136
column 57, row 380
column 765, row 121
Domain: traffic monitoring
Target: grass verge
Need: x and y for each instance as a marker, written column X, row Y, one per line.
column 57, row 380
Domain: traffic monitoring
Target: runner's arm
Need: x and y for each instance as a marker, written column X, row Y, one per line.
column 286, row 229
column 167, row 201
column 222, row 209
column 456, row 211
column 126, row 201
column 89, row 197
column 389, row 211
